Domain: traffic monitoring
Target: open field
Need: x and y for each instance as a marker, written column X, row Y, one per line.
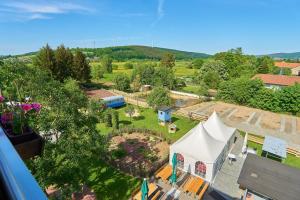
column 148, row 119
column 180, row 70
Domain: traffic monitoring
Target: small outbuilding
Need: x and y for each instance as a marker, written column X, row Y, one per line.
column 164, row 114
column 114, row 101
column 274, row 148
column 172, row 128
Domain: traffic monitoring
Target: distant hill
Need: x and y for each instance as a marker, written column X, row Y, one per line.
column 292, row 56
column 140, row 52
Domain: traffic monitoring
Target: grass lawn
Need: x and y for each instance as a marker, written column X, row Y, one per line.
column 109, row 183
column 191, row 89
column 148, row 119
column 291, row 160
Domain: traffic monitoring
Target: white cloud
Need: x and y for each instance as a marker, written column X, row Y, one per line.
column 30, row 10
column 160, row 9
column 160, row 13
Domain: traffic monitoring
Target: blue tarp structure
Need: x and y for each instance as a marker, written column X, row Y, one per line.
column 275, row 146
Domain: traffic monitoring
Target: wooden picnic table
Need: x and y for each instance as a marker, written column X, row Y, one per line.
column 152, row 188
column 197, row 185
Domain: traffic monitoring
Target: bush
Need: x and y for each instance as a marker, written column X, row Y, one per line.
column 239, row 90
column 128, row 65
column 122, row 82
column 108, row 119
column 115, row 67
column 97, row 72
column 159, row 97
column 115, row 119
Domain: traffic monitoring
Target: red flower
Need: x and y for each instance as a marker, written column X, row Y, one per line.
column 1, row 99
column 26, row 107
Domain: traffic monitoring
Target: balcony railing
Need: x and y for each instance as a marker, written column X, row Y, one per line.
column 17, row 181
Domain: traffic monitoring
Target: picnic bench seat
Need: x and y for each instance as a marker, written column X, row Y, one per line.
column 188, row 184
column 200, row 196
column 156, row 195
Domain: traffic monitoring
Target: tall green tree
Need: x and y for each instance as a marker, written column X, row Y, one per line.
column 159, row 97
column 62, row 116
column 46, row 59
column 197, row 63
column 165, row 77
column 122, row 82
column 264, row 64
column 81, row 68
column 168, row 60
column 64, row 63
column 106, row 63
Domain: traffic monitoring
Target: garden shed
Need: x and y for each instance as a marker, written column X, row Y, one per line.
column 204, row 148
column 164, row 114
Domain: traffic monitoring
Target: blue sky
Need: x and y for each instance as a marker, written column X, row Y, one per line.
column 209, row 26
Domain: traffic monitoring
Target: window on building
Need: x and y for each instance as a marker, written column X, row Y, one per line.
column 180, row 160
column 200, row 169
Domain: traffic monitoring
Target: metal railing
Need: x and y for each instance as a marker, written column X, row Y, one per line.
column 17, row 179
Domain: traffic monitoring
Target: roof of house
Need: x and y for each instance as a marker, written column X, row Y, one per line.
column 278, row 79
column 270, row 178
column 275, row 146
column 283, row 64
column 164, row 108
column 99, row 94
column 112, row 98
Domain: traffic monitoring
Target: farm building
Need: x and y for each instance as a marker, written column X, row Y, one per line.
column 295, row 67
column 204, row 148
column 277, row 81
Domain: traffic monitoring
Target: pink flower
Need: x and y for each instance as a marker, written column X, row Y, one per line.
column 26, row 107
column 36, row 106
column 1, row 99
column 6, row 117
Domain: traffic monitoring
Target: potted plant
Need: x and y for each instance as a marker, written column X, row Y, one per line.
column 16, row 120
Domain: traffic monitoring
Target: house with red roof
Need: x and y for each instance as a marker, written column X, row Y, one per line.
column 277, row 81
column 295, row 67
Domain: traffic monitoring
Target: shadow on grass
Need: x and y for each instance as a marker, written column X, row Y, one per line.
column 125, row 122
column 109, row 183
column 174, row 119
column 139, row 118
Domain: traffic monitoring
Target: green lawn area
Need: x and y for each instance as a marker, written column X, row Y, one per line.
column 109, row 183
column 148, row 120
column 291, row 160
column 191, row 89
column 180, row 70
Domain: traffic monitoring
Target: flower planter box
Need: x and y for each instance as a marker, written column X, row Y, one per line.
column 28, row 144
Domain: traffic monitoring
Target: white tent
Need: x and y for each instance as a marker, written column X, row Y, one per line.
column 204, row 148
column 217, row 129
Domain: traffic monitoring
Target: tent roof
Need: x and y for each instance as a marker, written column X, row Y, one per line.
column 198, row 144
column 217, row 129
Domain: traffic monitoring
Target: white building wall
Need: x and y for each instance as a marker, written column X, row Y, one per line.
column 296, row 71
